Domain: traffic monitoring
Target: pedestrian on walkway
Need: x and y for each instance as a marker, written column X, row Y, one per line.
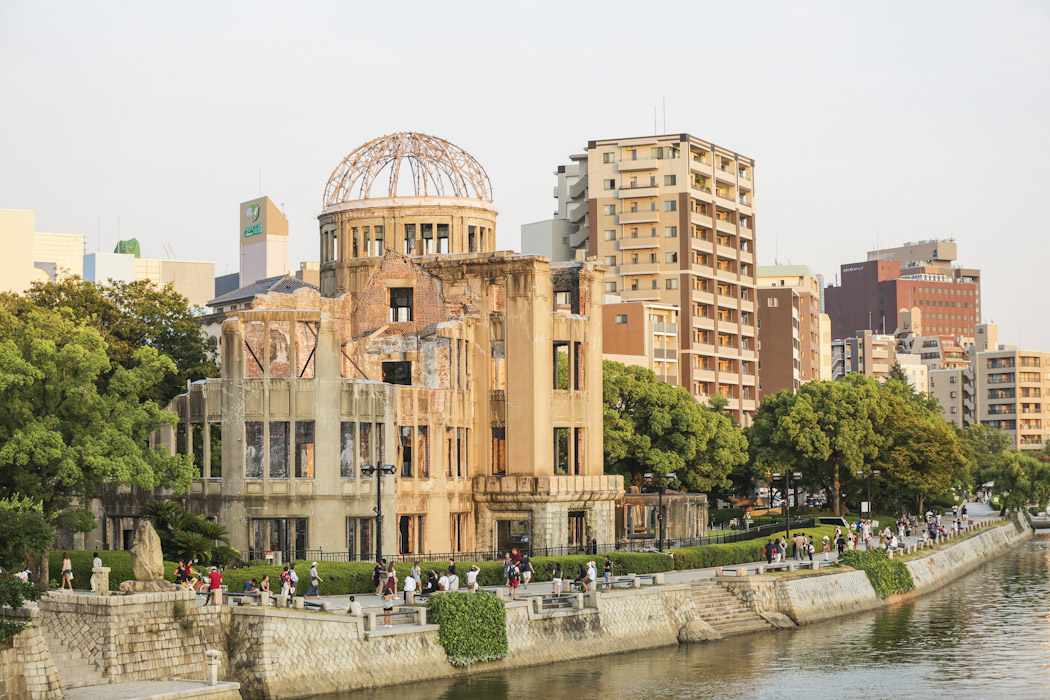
column 314, row 588
column 800, row 546
column 286, row 582
column 377, row 576
column 556, row 576
column 388, row 607
column 512, row 581
column 507, row 563
column 417, row 574
column 67, row 572
column 607, row 570
column 472, row 578
column 827, row 548
column 214, row 583
column 768, row 551
column 293, row 582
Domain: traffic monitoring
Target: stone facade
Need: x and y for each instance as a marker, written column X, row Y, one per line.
column 27, row 671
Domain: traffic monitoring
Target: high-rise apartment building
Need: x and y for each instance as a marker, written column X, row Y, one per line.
column 921, row 275
column 867, row 353
column 672, row 218
column 793, row 335
column 643, row 334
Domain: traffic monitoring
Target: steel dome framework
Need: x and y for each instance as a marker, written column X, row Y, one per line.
column 436, row 168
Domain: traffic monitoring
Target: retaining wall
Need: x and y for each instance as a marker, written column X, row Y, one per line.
column 27, row 671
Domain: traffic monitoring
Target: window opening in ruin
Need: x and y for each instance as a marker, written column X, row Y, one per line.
column 498, row 365
column 423, row 451
column 401, row 300
column 364, row 444
column 253, row 449
column 426, row 232
column 304, row 449
column 458, row 530
column 353, row 239
column 180, row 439
column 459, row 452
column 399, row 372
column 280, row 349
column 472, row 239
column 279, row 449
column 561, row 451
column 285, row 535
column 410, row 239
column 346, row 449
column 511, row 534
column 410, row 531
column 442, row 246
column 366, row 235
column 499, row 451
column 563, row 301
column 449, row 457
column 561, row 365
column 253, row 366
column 577, row 366
column 215, row 438
column 578, row 453
column 367, row 527
column 378, row 247
column 404, row 433
column 577, row 528
column 197, row 446
column 380, row 447
column 306, row 343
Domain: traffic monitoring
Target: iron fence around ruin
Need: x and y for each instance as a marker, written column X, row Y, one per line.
column 639, row 544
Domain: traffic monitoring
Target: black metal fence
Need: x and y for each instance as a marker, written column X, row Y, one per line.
column 647, row 544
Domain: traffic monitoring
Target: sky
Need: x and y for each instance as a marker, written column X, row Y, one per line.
column 869, row 122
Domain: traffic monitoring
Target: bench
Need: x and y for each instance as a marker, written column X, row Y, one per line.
column 779, row 566
column 557, row 602
column 376, row 619
column 814, row 565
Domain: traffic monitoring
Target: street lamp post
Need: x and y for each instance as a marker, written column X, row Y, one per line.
column 869, row 474
column 787, row 498
column 369, row 470
column 664, row 478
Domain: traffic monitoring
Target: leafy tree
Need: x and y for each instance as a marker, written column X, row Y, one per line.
column 191, row 545
column 71, row 421
column 24, row 534
column 652, row 426
column 826, row 431
column 132, row 315
column 986, row 449
column 897, row 374
column 1021, row 480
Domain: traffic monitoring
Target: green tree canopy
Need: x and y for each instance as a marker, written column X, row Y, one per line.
column 1021, row 480
column 129, row 316
column 71, row 421
column 652, row 426
column 24, row 534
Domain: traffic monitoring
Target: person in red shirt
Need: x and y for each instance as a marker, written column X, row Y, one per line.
column 214, row 581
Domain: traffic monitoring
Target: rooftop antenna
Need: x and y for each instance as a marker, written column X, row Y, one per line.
column 260, row 182
column 665, row 114
column 654, row 120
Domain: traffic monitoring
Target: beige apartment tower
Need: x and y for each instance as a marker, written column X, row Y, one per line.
column 264, row 240
column 672, row 218
column 793, row 335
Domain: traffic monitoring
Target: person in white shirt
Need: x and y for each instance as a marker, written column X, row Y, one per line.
column 472, row 579
column 355, row 607
column 96, row 563
column 453, row 582
column 443, row 582
column 592, row 575
column 410, row 585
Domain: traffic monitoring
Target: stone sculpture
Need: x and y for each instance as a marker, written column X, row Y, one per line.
column 147, row 562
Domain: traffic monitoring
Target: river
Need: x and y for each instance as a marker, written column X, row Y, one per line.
column 983, row 636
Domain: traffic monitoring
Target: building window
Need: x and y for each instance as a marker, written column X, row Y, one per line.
column 577, row 528
column 610, row 260
column 609, row 157
column 670, row 180
column 279, row 449
column 472, row 234
column 671, row 231
column 610, row 209
column 610, row 288
column 670, row 205
column 404, row 434
column 561, row 451
column 621, row 319
column 672, row 283
column 561, row 365
column 304, row 449
column 410, row 238
column 253, row 449
column 346, row 449
column 378, row 241
column 401, row 304
column 423, row 450
column 610, row 235
column 399, row 372
column 285, row 535
column 499, row 451
column 609, row 184
column 442, row 247
column 671, row 257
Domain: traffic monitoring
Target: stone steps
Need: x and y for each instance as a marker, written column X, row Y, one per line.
column 75, row 669
column 723, row 611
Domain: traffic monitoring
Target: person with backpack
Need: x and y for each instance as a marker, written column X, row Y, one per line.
column 512, row 581
column 286, row 581
column 768, row 551
column 293, row 583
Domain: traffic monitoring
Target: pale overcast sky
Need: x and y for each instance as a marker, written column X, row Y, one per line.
column 905, row 120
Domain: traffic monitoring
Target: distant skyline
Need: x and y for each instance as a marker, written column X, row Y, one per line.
column 870, row 123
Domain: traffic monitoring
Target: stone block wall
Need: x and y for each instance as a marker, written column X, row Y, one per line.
column 138, row 637
column 27, row 671
column 948, row 563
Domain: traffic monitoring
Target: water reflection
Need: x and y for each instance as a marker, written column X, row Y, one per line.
column 985, row 635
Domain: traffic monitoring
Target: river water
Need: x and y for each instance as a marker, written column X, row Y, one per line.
column 983, row 636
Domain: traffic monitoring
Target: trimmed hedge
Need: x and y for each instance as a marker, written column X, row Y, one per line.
column 471, row 628
column 745, row 552
column 119, row 562
column 887, row 575
column 341, row 578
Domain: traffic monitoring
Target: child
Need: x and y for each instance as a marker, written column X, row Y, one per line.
column 388, row 607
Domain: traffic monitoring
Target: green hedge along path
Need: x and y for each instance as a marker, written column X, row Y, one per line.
column 471, row 628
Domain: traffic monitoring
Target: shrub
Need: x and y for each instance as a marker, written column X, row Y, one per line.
column 732, row 553
column 471, row 628
column 886, row 575
column 223, row 555
column 118, row 561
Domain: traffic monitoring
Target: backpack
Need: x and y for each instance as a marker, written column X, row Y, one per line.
column 285, row 578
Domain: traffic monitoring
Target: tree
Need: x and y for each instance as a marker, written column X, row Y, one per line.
column 183, row 534
column 826, row 431
column 986, row 449
column 71, row 421
column 652, row 426
column 1021, row 480
column 24, row 533
column 132, row 315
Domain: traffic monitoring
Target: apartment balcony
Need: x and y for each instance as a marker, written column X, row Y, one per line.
column 728, row 327
column 636, row 191
column 705, row 322
column 723, row 197
column 747, row 305
column 747, row 330
column 748, row 379
column 726, row 251
column 728, row 378
column 631, row 166
column 703, row 297
column 728, row 301
column 665, row 328
column 580, row 237
column 704, row 348
column 727, row 275
column 702, row 246
column 646, row 268
column 640, row 295
column 725, row 226
column 577, row 212
column 703, row 375
column 747, row 256
column 640, row 242
column 880, row 368
column 702, row 167
column 704, row 270
column 727, row 174
column 628, row 218
column 577, row 189
column 702, row 220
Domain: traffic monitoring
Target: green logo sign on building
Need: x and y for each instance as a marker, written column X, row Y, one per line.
column 253, row 212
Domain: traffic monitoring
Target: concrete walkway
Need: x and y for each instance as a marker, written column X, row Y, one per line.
column 977, row 512
column 150, row 690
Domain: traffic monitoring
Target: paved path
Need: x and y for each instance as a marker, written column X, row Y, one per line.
column 141, row 690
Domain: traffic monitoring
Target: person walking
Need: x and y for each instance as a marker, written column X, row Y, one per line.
column 417, row 574
column 293, row 583
column 608, row 570
column 314, row 588
column 768, row 551
column 827, row 548
column 507, row 564
column 527, row 570
column 214, row 583
column 376, row 571
column 472, row 578
column 512, row 581
column 67, row 572
column 556, row 576
column 286, row 582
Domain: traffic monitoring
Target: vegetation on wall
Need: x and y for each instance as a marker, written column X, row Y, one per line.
column 471, row 628
column 24, row 533
column 887, row 575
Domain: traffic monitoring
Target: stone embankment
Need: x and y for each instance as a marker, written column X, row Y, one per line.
column 281, row 653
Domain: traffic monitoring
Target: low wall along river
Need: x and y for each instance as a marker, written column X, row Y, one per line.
column 279, row 653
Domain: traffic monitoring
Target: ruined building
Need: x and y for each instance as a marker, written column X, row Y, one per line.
column 474, row 374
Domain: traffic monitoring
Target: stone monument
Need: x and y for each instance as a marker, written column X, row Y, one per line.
column 147, row 562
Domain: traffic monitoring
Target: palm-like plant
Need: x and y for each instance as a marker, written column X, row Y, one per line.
column 216, row 532
column 191, row 545
column 158, row 511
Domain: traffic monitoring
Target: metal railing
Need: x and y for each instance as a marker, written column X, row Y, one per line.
column 634, row 544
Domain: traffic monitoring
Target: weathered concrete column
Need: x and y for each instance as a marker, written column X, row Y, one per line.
column 213, row 665
column 100, row 580
column 264, row 599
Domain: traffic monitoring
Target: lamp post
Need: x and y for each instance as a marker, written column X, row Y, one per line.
column 664, row 478
column 869, row 474
column 369, row 470
column 787, row 498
